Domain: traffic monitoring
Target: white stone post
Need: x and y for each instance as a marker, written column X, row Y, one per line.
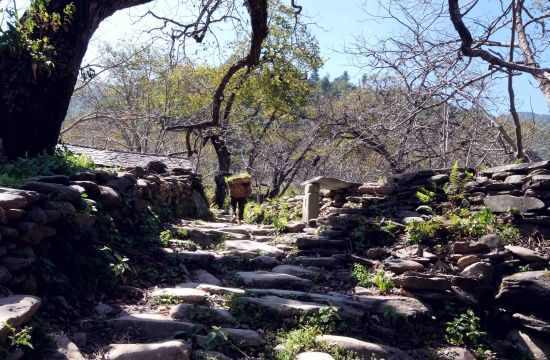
column 310, row 207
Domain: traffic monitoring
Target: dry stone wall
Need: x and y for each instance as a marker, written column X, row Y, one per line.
column 58, row 208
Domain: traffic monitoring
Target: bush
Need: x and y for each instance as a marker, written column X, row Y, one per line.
column 419, row 232
column 63, row 162
column 277, row 212
column 363, row 277
column 464, row 330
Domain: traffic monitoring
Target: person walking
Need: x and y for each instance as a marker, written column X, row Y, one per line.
column 240, row 188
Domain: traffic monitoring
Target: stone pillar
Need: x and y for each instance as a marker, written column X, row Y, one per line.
column 310, row 208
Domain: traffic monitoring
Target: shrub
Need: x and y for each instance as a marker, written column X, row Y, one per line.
column 464, row 330
column 418, row 232
column 363, row 277
column 63, row 162
column 508, row 234
column 457, row 181
column 426, row 196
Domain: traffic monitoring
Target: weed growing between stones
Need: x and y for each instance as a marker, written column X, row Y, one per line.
column 465, row 330
column 363, row 277
column 277, row 212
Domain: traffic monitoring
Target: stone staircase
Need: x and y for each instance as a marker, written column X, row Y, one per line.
column 234, row 269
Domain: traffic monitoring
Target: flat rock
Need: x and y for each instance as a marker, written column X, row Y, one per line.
column 253, row 247
column 526, row 292
column 266, row 261
column 326, row 262
column 399, row 266
column 66, row 349
column 285, row 307
column 294, row 270
column 203, row 276
column 265, row 279
column 167, row 350
column 183, row 294
column 153, row 326
column 465, row 247
column 210, row 355
column 505, row 203
column 192, row 312
column 363, row 348
column 525, row 253
column 196, row 257
column 12, row 201
column 418, row 282
column 242, row 337
column 481, row 271
column 16, row 310
column 314, row 355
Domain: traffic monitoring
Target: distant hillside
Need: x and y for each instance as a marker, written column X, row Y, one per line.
column 527, row 116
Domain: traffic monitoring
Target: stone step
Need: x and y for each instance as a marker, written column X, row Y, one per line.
column 211, row 289
column 352, row 306
column 182, row 294
column 204, row 277
column 265, row 279
column 192, row 257
column 166, row 350
column 284, row 307
column 240, row 337
column 66, row 349
column 294, row 271
column 365, row 350
column 190, row 312
column 254, row 247
column 152, row 326
column 306, row 243
column 328, row 262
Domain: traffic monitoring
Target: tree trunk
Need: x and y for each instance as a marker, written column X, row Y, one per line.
column 33, row 105
column 224, row 164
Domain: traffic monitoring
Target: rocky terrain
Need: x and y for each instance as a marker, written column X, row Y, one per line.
column 431, row 265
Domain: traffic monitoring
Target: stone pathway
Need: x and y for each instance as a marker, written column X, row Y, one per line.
column 238, row 280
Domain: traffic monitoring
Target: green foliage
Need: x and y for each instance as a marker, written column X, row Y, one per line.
column 324, row 320
column 165, row 237
column 464, row 330
column 508, row 234
column 297, row 341
column 425, row 196
column 418, row 232
column 63, row 162
column 457, row 181
column 363, row 277
column 239, row 176
column 277, row 212
column 18, row 338
column 118, row 263
column 30, row 36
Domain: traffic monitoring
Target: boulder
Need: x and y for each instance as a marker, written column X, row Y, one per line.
column 526, row 292
column 454, row 353
column 109, row 197
column 167, row 350
column 465, row 247
column 244, row 337
column 417, row 281
column 533, row 323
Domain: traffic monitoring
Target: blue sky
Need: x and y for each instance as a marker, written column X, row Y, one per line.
column 334, row 23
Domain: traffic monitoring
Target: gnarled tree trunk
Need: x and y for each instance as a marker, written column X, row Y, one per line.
column 33, row 105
